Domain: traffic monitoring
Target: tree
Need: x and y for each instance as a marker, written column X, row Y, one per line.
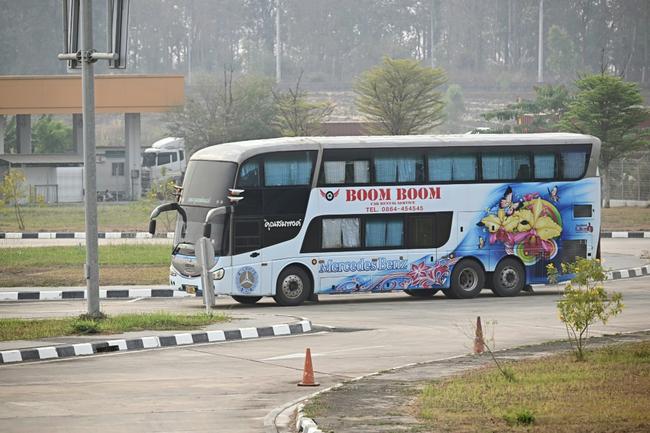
column 609, row 108
column 51, row 136
column 295, row 116
column 585, row 301
column 232, row 110
column 545, row 110
column 562, row 61
column 400, row 97
column 12, row 191
column 454, row 107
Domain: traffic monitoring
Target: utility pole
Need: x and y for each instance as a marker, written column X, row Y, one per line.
column 540, row 44
column 90, row 167
column 278, row 44
column 431, row 37
column 80, row 19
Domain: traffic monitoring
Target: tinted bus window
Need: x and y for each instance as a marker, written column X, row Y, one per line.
column 545, row 166
column 384, row 231
column 573, row 164
column 398, row 169
column 249, row 174
column 445, row 168
column 506, row 166
column 288, row 169
column 430, row 230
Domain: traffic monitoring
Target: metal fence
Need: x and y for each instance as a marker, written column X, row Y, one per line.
column 629, row 177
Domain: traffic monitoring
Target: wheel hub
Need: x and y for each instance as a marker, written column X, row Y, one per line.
column 292, row 286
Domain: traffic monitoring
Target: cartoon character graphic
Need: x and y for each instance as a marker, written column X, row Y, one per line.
column 481, row 242
column 553, row 194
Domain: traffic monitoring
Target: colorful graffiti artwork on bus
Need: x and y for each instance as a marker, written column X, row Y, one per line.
column 424, row 273
column 528, row 226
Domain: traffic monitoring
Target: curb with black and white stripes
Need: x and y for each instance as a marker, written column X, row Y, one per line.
column 625, row 235
column 59, row 295
column 82, row 235
column 628, row 273
column 305, row 424
column 155, row 342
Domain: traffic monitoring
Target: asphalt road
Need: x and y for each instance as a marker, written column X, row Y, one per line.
column 232, row 387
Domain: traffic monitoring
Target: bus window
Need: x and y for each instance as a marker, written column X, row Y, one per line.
column 431, row 230
column 398, row 169
column 249, row 174
column 445, row 168
column 506, row 166
column 544, row 166
column 384, row 231
column 346, row 172
column 341, row 233
column 574, row 164
column 288, row 169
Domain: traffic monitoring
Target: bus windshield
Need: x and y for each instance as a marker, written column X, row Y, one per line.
column 194, row 230
column 206, row 183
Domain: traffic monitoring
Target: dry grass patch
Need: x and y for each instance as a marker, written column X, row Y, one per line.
column 50, row 276
column 626, row 219
column 608, row 393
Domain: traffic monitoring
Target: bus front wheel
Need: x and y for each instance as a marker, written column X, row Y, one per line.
column 508, row 278
column 467, row 280
column 248, row 300
column 293, row 287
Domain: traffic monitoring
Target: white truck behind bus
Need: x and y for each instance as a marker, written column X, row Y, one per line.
column 165, row 159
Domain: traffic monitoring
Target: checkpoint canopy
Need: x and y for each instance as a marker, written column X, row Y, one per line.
column 132, row 95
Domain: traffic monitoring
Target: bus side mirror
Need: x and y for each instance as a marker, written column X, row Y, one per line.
column 152, row 227
column 207, row 230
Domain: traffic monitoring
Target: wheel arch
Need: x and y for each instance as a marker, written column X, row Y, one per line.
column 301, row 266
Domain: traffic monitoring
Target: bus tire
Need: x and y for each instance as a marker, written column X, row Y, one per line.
column 293, row 287
column 467, row 280
column 421, row 293
column 247, row 300
column 509, row 277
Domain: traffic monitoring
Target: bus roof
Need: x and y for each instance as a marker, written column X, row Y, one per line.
column 242, row 150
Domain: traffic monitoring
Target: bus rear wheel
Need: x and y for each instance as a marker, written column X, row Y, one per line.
column 467, row 280
column 421, row 293
column 248, row 300
column 508, row 278
column 293, row 287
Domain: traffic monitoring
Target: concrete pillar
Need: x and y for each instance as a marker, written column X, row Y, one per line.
column 3, row 127
column 133, row 165
column 77, row 133
column 24, row 133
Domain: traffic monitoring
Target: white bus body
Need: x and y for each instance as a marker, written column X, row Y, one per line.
column 374, row 214
column 165, row 159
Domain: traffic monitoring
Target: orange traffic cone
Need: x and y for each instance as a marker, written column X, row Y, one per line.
column 479, row 344
column 308, row 372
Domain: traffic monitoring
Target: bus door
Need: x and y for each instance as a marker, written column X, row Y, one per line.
column 250, row 273
column 431, row 242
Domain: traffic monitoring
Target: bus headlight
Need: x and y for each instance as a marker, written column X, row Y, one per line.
column 218, row 274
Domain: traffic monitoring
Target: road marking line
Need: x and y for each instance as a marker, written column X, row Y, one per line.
column 301, row 354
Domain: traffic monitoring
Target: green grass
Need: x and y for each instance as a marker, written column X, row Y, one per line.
column 21, row 329
column 63, row 266
column 608, row 392
column 121, row 254
column 133, row 216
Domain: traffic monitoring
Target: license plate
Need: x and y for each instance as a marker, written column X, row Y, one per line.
column 191, row 289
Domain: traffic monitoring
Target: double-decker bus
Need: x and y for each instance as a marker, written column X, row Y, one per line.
column 326, row 215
